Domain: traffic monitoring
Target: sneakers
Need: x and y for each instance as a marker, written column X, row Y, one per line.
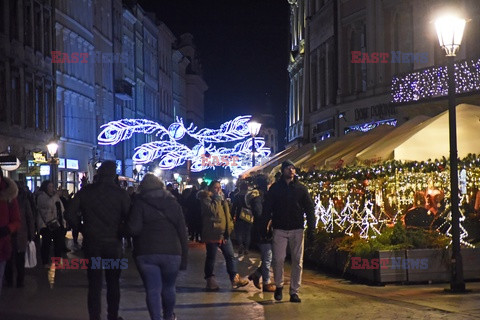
column 278, row 294
column 269, row 287
column 295, row 298
column 212, row 284
column 256, row 279
column 238, row 283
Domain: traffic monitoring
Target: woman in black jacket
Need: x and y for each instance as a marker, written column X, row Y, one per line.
column 159, row 233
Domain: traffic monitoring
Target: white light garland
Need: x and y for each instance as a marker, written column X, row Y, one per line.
column 173, row 154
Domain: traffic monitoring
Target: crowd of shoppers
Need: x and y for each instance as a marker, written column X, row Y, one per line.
column 160, row 220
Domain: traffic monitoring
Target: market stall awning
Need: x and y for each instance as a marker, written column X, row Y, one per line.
column 317, row 161
column 273, row 160
column 382, row 149
column 299, row 155
column 431, row 138
column 346, row 155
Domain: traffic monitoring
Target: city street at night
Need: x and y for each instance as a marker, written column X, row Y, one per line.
column 179, row 152
column 323, row 297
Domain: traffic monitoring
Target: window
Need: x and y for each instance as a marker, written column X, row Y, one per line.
column 38, row 30
column 27, row 23
column 39, row 112
column 47, row 31
column 15, row 107
column 48, row 107
column 29, row 102
column 13, row 19
column 3, row 94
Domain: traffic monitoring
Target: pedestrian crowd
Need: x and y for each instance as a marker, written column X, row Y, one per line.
column 157, row 222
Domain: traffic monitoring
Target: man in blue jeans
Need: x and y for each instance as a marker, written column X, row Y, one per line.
column 217, row 227
column 286, row 202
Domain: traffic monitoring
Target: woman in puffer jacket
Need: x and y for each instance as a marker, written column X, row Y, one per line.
column 50, row 221
column 157, row 225
column 216, row 229
column 9, row 219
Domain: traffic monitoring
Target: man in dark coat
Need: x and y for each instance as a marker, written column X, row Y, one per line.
column 286, row 203
column 104, row 207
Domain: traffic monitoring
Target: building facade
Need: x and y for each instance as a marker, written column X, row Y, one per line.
column 27, row 82
column 342, row 89
column 68, row 67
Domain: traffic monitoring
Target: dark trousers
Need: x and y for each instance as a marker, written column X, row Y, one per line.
column 58, row 238
column 95, row 281
column 17, row 261
column 243, row 231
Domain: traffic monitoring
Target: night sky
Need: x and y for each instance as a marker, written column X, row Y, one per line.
column 243, row 47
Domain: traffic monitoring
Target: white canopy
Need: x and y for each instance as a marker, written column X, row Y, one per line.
column 431, row 139
column 382, row 149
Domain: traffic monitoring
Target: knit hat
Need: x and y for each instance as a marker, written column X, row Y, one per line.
column 287, row 163
column 108, row 168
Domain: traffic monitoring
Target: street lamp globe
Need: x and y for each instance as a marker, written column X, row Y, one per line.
column 254, row 128
column 52, row 148
column 450, row 33
column 199, row 180
column 175, row 175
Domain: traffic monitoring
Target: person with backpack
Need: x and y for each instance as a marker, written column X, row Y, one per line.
column 263, row 233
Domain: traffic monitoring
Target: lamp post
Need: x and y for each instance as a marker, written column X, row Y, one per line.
column 450, row 33
column 52, row 148
column 254, row 128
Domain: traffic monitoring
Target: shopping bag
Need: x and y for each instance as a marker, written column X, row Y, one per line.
column 31, row 255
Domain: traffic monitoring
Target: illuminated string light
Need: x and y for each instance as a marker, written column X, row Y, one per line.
column 433, row 82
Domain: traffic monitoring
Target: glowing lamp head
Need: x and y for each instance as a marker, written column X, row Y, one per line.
column 52, row 148
column 450, row 33
column 200, row 180
column 175, row 176
column 254, row 128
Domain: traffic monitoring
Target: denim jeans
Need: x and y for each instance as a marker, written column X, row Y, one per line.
column 159, row 273
column 266, row 256
column 227, row 251
column 2, row 270
column 243, row 231
column 294, row 239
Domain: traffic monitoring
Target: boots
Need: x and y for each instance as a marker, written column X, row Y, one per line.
column 212, row 284
column 255, row 277
column 238, row 283
column 268, row 287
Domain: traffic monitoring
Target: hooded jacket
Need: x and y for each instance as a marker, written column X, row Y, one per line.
column 9, row 215
column 287, row 204
column 157, row 225
column 217, row 223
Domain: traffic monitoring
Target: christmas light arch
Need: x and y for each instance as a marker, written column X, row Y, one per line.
column 171, row 153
